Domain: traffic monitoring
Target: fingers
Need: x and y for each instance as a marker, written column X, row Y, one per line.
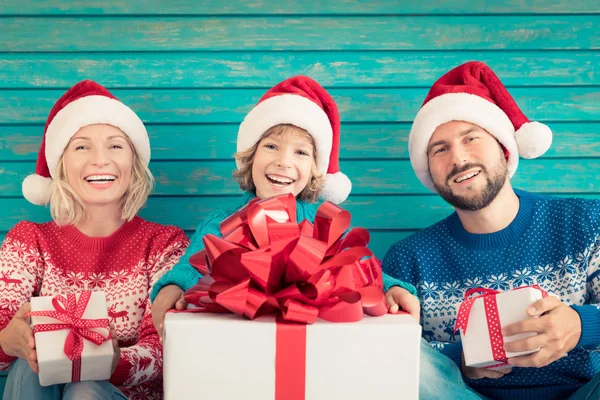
column 181, row 304
column 32, row 361
column 537, row 360
column 478, row 373
column 407, row 302
column 527, row 344
column 412, row 307
column 526, row 325
column 543, row 305
column 494, row 373
column 25, row 308
column 389, row 298
column 160, row 332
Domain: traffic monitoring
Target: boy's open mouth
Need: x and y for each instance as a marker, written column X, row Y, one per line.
column 279, row 180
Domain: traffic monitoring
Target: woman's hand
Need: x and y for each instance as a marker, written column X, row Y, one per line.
column 17, row 339
column 117, row 350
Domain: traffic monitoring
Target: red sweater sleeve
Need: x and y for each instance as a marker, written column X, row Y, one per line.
column 21, row 271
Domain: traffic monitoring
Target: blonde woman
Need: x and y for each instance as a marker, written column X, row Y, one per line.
column 92, row 170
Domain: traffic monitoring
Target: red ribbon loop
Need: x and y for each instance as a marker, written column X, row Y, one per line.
column 69, row 311
column 267, row 263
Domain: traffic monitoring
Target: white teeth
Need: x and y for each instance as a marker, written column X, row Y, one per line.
column 100, row 178
column 280, row 179
column 464, row 178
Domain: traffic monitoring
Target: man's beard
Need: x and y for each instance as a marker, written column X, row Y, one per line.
column 495, row 183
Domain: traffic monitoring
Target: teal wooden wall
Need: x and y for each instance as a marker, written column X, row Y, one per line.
column 193, row 69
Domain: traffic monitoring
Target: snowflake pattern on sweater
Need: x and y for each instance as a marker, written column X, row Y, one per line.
column 47, row 260
column 553, row 242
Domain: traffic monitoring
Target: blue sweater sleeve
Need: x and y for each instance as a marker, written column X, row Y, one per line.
column 590, row 312
column 590, row 325
column 183, row 274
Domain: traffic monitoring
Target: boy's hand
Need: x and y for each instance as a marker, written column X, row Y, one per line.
column 401, row 299
column 169, row 297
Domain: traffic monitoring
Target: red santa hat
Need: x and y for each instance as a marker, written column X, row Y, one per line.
column 86, row 103
column 302, row 102
column 473, row 93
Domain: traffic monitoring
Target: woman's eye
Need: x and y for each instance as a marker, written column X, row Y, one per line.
column 82, row 147
column 270, row 146
column 116, row 146
column 303, row 153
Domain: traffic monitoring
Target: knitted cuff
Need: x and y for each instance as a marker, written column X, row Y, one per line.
column 389, row 281
column 590, row 325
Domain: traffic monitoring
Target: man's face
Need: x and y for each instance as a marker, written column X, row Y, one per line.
column 467, row 165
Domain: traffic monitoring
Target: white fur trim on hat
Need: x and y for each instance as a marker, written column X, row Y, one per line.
column 458, row 107
column 37, row 189
column 533, row 139
column 336, row 188
column 92, row 110
column 288, row 109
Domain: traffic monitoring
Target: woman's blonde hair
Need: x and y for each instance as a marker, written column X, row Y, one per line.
column 67, row 208
column 246, row 158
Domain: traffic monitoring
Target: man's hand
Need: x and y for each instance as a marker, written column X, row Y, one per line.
column 558, row 331
column 478, row 373
column 401, row 299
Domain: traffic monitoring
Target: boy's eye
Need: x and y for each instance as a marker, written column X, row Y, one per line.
column 270, row 146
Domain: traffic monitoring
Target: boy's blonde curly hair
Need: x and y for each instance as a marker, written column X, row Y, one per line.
column 245, row 160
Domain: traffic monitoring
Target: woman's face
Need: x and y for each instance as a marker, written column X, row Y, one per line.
column 98, row 162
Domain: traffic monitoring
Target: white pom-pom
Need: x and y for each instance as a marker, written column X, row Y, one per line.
column 533, row 139
column 37, row 189
column 336, row 188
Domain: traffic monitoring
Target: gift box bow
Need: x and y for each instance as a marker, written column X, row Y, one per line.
column 68, row 312
column 268, row 263
column 492, row 317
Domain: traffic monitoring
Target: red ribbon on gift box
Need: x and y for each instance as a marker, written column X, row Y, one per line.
column 70, row 312
column 492, row 317
column 267, row 263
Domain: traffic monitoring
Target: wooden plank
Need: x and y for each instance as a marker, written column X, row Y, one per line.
column 487, row 32
column 253, row 7
column 368, row 177
column 335, row 69
column 371, row 212
column 395, row 212
column 356, row 105
column 380, row 240
column 359, row 140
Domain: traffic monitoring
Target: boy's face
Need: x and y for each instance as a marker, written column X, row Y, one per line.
column 467, row 165
column 282, row 163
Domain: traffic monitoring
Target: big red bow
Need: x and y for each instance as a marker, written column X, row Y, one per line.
column 267, row 263
column 69, row 311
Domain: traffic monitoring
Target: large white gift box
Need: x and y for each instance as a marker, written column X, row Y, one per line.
column 54, row 365
column 223, row 356
column 482, row 343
